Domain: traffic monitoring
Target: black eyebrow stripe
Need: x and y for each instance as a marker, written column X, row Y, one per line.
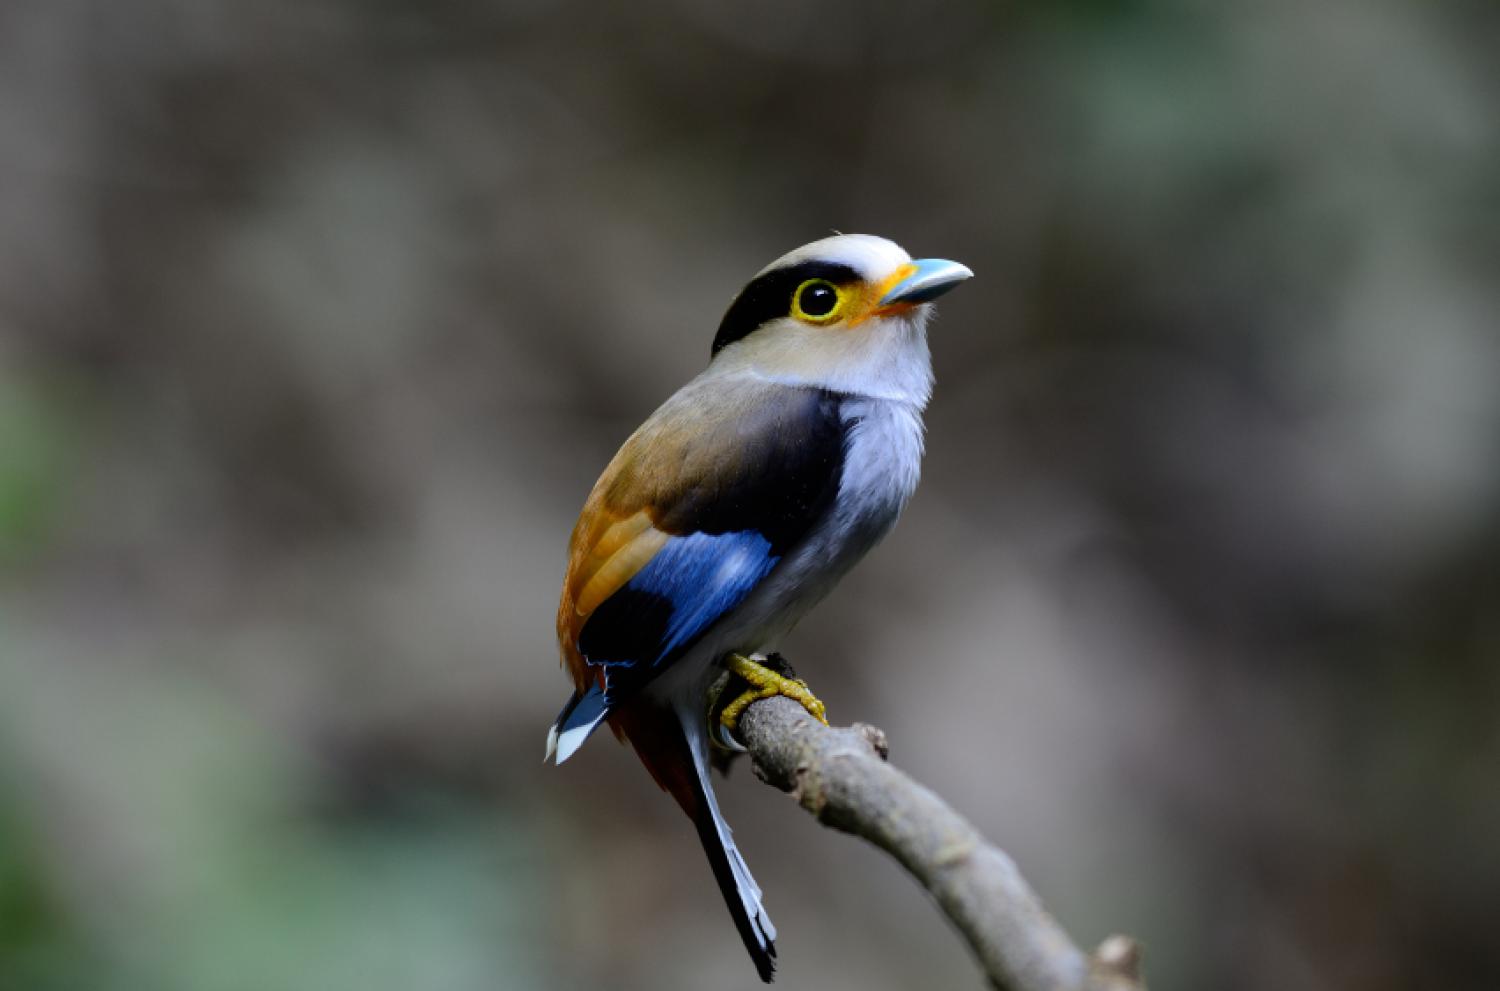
column 769, row 296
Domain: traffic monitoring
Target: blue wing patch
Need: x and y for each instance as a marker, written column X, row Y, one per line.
column 703, row 576
column 688, row 586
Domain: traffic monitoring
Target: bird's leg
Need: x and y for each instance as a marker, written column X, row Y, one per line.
column 765, row 682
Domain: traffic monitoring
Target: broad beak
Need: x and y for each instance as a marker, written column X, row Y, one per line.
column 922, row 281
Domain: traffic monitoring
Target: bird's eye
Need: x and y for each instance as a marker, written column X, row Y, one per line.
column 817, row 301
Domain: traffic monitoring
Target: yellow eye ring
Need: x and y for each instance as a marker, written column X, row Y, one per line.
column 819, row 302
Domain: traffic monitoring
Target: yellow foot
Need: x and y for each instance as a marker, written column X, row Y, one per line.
column 765, row 683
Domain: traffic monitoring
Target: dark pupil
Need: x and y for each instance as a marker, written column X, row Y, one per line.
column 818, row 300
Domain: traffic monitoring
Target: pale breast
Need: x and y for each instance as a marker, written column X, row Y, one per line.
column 882, row 463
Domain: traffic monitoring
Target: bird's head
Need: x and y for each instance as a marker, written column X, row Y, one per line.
column 847, row 313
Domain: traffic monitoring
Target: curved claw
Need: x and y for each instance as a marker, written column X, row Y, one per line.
column 725, row 740
column 764, row 683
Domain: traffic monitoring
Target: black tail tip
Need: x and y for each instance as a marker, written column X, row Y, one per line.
column 765, row 962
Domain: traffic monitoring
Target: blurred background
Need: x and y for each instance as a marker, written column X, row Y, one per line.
column 318, row 319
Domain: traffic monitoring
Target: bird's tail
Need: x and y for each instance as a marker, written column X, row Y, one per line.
column 741, row 893
column 578, row 719
column 675, row 751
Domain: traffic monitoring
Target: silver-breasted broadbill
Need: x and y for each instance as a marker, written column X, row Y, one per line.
column 735, row 508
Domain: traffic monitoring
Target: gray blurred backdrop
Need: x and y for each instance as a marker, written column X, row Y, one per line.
column 318, row 319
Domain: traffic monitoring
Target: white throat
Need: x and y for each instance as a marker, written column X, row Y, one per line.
column 887, row 358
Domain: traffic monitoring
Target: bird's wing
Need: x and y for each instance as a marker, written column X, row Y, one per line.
column 693, row 513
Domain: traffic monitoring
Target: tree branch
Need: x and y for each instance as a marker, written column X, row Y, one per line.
column 840, row 775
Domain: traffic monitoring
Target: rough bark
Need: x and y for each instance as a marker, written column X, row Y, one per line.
column 841, row 776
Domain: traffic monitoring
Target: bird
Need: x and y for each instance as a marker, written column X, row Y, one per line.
column 735, row 507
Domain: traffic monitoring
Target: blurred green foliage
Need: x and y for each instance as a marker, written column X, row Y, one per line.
column 38, row 443
column 31, row 924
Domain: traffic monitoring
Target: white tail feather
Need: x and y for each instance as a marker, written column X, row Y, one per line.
column 749, row 891
column 563, row 745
